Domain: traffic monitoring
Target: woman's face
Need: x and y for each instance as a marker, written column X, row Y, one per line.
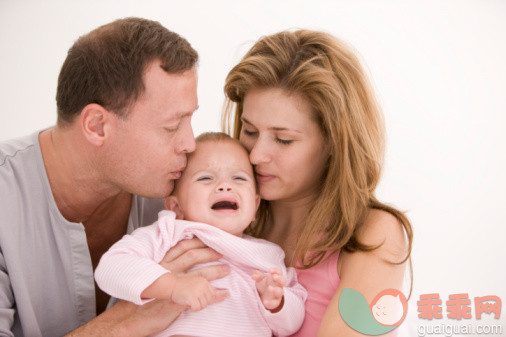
column 286, row 145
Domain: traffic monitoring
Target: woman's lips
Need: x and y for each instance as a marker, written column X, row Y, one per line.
column 264, row 178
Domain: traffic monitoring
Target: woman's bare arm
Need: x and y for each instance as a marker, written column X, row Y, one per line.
column 368, row 272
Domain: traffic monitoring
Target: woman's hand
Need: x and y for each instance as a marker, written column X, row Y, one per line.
column 188, row 253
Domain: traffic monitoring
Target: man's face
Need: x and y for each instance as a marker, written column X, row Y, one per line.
column 218, row 187
column 147, row 150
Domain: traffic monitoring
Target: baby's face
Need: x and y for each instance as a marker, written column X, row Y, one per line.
column 218, row 187
column 388, row 310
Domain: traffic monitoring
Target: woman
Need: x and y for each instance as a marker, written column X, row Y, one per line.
column 301, row 104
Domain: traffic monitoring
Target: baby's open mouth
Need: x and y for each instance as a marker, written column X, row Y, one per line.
column 225, row 204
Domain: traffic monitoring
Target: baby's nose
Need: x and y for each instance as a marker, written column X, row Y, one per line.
column 224, row 187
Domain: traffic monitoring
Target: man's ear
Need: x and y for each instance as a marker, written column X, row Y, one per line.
column 95, row 121
column 172, row 204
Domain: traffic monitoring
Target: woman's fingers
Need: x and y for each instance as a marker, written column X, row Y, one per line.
column 211, row 272
column 182, row 247
column 220, row 295
column 180, row 263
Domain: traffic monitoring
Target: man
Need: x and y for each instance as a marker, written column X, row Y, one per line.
column 126, row 94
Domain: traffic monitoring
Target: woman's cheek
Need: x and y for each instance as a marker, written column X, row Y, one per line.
column 247, row 143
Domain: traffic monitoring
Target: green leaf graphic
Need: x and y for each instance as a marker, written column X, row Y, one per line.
column 356, row 313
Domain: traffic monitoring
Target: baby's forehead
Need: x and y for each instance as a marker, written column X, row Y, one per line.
column 223, row 153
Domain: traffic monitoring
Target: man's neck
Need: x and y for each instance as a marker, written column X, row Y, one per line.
column 79, row 191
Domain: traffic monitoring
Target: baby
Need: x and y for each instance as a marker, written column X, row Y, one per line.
column 217, row 196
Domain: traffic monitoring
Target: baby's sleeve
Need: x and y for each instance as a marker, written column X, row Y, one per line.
column 131, row 264
column 289, row 319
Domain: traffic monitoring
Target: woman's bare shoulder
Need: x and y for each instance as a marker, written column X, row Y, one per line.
column 384, row 229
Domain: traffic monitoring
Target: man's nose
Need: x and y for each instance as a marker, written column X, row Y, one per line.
column 187, row 140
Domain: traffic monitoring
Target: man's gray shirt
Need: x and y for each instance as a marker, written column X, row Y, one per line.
column 46, row 275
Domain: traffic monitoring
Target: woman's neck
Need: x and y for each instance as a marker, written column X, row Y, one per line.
column 286, row 221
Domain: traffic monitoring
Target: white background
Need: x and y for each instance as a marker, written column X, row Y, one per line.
column 439, row 68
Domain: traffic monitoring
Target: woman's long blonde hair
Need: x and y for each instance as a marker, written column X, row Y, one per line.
column 330, row 77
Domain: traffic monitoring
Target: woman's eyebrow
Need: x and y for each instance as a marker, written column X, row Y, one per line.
column 274, row 128
column 244, row 120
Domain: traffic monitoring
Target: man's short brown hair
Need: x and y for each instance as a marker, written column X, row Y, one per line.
column 106, row 65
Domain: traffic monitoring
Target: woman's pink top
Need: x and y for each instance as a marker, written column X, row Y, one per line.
column 321, row 284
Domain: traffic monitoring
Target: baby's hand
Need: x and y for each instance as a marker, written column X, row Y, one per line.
column 270, row 287
column 193, row 291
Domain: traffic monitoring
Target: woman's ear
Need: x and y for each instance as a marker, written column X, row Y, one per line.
column 172, row 204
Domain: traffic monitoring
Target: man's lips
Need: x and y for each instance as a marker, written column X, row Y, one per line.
column 177, row 173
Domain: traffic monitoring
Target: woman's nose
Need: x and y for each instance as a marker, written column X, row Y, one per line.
column 259, row 153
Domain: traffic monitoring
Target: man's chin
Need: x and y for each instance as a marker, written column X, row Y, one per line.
column 168, row 191
column 159, row 193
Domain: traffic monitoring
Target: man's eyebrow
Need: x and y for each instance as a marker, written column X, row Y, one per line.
column 186, row 113
column 182, row 114
column 275, row 128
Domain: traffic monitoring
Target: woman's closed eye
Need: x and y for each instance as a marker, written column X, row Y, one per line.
column 283, row 141
column 248, row 132
column 277, row 139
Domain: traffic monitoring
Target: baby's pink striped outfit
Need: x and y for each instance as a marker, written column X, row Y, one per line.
column 131, row 265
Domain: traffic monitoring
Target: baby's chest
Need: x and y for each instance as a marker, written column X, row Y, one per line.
column 238, row 282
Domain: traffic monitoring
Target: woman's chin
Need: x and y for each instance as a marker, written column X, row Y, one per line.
column 268, row 193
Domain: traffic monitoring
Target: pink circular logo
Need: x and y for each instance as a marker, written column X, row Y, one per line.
column 389, row 307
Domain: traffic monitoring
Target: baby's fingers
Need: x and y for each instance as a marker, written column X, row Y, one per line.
column 194, row 304
column 279, row 280
column 275, row 271
column 275, row 292
column 257, row 276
